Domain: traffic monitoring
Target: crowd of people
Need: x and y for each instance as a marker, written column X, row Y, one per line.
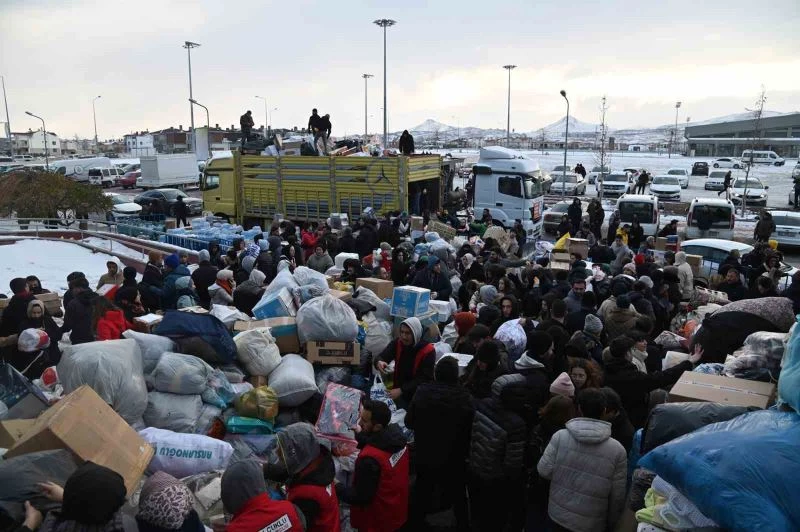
column 529, row 436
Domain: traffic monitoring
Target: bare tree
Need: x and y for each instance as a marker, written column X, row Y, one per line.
column 602, row 157
column 755, row 139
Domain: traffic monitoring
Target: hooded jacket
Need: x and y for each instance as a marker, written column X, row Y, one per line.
column 219, row 295
column 169, row 294
column 587, row 469
column 413, row 365
column 536, row 388
column 115, row 279
column 619, row 321
column 78, row 318
column 248, row 294
column 244, row 494
column 151, row 286
column 685, row 275
column 15, row 313
column 435, row 282
column 320, row 263
column 186, row 295
column 112, row 325
column 204, row 276
column 347, row 244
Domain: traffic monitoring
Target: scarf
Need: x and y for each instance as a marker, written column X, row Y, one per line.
column 54, row 523
column 165, row 501
column 225, row 284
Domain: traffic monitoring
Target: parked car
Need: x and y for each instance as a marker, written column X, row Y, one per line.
column 569, row 184
column 722, row 214
column 666, row 187
column 592, row 176
column 716, row 180
column 615, row 184
column 756, row 191
column 123, row 206
column 682, row 174
column 9, row 167
column 787, row 228
column 104, row 177
column 728, row 162
column 700, row 168
column 162, row 201
column 130, row 179
column 552, row 216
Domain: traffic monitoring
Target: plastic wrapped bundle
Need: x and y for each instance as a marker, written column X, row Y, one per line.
column 170, row 411
column 260, row 403
column 326, row 319
column 152, row 347
column 182, row 455
column 340, row 410
column 379, row 333
column 181, row 374
column 306, row 276
column 329, row 374
column 257, row 351
column 761, row 350
column 293, row 380
column 513, row 337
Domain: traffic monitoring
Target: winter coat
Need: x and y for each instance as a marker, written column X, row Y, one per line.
column 685, row 276
column 321, row 263
column 642, row 304
column 204, row 276
column 367, row 240
column 347, row 244
column 735, row 291
column 407, row 377
column 406, row 144
column 573, row 302
column 151, row 286
column 619, row 321
column 441, row 417
column 499, row 434
column 764, row 228
column 112, row 325
column 587, row 469
column 793, row 293
column 267, row 265
column 435, row 282
column 219, row 296
column 169, row 294
column 15, row 313
column 635, row 237
column 575, row 213
column 634, row 387
column 320, row 475
column 78, row 318
column 248, row 294
column 115, row 279
column 536, row 386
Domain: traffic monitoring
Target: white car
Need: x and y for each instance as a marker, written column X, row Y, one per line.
column 123, row 206
column 568, row 185
column 666, row 187
column 682, row 174
column 592, row 176
column 716, row 180
column 615, row 184
column 787, row 228
column 728, row 162
column 756, row 191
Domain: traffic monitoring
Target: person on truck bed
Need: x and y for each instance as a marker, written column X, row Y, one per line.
column 246, row 123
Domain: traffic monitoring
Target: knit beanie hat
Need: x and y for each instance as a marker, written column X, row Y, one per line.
column 129, row 272
column 172, row 261
column 629, row 268
column 648, row 282
column 623, row 302
column 592, row 324
column 538, row 343
column 563, row 386
column 204, row 256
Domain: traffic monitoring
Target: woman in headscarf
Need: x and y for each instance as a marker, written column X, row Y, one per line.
column 90, row 502
column 165, row 505
column 244, row 495
column 464, row 322
column 248, row 294
column 221, row 292
column 400, row 266
column 484, row 296
column 414, row 360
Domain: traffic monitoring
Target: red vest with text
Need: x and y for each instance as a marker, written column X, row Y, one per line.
column 263, row 513
column 325, row 496
column 418, row 358
column 388, row 510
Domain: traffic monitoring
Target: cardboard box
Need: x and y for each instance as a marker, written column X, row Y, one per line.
column 52, row 303
column 23, row 399
column 443, row 310
column 331, row 279
column 333, row 353
column 84, row 424
column 340, row 294
column 13, row 430
column 276, row 305
column 445, row 231
column 417, row 223
column 578, row 245
column 149, row 320
column 383, row 289
column 408, row 301
column 284, row 330
column 559, row 260
column 695, row 261
column 718, row 389
column 661, row 243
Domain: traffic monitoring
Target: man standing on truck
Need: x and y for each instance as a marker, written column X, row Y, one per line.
column 246, row 123
column 323, row 133
column 313, row 122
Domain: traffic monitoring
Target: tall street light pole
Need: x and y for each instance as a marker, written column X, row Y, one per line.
column 366, row 112
column 44, row 133
column 94, row 116
column 566, row 143
column 508, row 118
column 273, row 115
column 675, row 134
column 266, row 115
column 385, row 23
column 8, row 117
column 189, row 45
column 208, row 125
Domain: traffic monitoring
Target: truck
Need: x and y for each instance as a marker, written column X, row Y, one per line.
column 509, row 185
column 168, row 171
column 255, row 189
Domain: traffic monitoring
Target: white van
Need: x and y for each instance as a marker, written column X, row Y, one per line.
column 105, row 177
column 644, row 207
column 723, row 217
column 509, row 185
column 763, row 157
column 78, row 169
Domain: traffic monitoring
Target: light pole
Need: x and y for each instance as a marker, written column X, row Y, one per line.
column 566, row 143
column 8, row 117
column 189, row 45
column 44, row 133
column 266, row 115
column 208, row 126
column 675, row 132
column 94, row 116
column 385, row 23
column 508, row 118
column 273, row 115
column 366, row 77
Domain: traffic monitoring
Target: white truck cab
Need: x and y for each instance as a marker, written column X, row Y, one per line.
column 509, row 184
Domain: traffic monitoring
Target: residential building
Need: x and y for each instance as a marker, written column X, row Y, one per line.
column 140, row 144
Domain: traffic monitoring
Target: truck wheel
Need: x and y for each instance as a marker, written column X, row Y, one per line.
column 223, row 216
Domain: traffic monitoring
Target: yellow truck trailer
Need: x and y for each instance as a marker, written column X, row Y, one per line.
column 253, row 189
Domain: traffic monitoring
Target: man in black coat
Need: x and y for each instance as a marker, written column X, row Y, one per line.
column 246, row 123
column 17, row 310
column 434, row 280
column 78, row 314
column 367, row 239
column 441, row 416
column 406, row 143
column 181, row 211
column 204, row 276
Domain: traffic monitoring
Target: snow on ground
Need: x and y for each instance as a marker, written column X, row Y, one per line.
column 51, row 262
column 116, row 247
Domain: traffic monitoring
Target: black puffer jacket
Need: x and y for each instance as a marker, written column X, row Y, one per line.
column 441, row 417
column 78, row 318
column 204, row 276
column 499, row 434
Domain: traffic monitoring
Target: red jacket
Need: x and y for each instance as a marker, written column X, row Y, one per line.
column 261, row 513
column 325, row 496
column 388, row 510
column 308, row 241
column 112, row 325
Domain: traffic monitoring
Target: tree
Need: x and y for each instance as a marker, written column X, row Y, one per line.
column 758, row 112
column 602, row 158
column 34, row 194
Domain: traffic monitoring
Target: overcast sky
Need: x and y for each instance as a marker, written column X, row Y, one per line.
column 445, row 61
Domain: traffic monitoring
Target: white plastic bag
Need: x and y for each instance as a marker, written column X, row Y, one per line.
column 379, row 333
column 113, row 369
column 284, row 279
column 306, row 276
column 183, row 455
column 170, row 411
column 378, row 392
column 442, row 348
column 326, row 319
column 152, row 347
column 181, row 374
column 293, row 380
column 513, row 337
column 257, row 351
column 338, row 260
column 382, row 309
column 227, row 316
column 450, row 334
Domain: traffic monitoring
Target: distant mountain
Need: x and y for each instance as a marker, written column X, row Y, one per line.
column 575, row 126
column 430, row 126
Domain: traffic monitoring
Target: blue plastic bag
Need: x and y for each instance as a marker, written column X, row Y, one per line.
column 741, row 473
column 789, row 383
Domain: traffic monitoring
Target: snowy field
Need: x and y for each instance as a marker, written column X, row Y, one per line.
column 51, row 262
column 777, row 178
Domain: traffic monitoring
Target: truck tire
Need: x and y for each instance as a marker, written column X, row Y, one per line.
column 223, row 216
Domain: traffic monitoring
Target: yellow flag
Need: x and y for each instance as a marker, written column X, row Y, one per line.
column 562, row 242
